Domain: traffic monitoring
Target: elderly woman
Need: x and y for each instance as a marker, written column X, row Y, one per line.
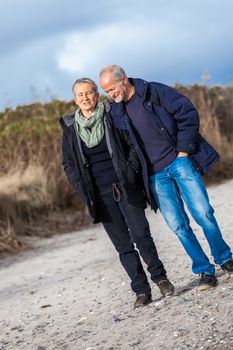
column 101, row 164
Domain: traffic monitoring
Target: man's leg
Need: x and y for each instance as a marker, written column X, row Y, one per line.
column 171, row 206
column 194, row 193
column 117, row 230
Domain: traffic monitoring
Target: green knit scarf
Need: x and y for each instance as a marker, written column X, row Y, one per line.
column 91, row 130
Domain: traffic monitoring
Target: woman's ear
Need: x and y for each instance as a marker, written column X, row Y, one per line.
column 75, row 100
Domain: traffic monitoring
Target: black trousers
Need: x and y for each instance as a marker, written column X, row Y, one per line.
column 125, row 225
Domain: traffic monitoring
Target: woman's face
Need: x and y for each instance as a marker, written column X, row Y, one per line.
column 86, row 98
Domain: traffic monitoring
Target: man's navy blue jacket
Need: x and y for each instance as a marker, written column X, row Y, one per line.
column 177, row 120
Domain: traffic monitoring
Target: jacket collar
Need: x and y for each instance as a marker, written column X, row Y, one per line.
column 140, row 86
column 67, row 120
column 117, row 112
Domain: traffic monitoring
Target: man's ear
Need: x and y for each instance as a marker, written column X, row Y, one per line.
column 124, row 79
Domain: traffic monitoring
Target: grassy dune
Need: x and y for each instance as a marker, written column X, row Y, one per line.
column 33, row 190
column 35, row 197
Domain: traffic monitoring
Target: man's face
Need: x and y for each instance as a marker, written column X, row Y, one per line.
column 86, row 97
column 116, row 89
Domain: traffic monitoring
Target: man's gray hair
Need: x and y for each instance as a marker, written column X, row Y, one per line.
column 85, row 81
column 115, row 70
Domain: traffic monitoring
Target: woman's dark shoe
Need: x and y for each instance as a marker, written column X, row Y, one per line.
column 142, row 300
column 166, row 287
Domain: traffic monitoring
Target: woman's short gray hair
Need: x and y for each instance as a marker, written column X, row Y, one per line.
column 84, row 81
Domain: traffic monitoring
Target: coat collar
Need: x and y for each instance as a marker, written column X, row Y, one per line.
column 117, row 112
column 140, row 86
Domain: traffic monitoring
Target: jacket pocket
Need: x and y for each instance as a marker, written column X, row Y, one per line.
column 205, row 156
column 80, row 193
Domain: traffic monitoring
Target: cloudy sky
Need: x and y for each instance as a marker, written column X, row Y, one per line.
column 47, row 44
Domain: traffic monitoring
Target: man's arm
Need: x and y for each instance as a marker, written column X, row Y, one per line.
column 185, row 114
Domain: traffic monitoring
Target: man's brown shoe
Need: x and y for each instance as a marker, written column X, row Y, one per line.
column 142, row 300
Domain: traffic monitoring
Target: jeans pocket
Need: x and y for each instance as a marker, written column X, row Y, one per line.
column 183, row 156
column 182, row 159
column 185, row 165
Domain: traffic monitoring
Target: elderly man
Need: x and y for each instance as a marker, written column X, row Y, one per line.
column 164, row 127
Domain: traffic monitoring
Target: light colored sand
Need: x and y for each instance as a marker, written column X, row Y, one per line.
column 69, row 292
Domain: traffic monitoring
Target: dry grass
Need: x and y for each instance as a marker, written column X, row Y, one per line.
column 35, row 197
column 215, row 107
column 23, row 196
column 26, row 185
column 28, row 200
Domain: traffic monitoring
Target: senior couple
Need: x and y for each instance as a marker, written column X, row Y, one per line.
column 145, row 146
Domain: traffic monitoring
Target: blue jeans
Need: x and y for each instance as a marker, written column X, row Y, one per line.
column 179, row 181
column 125, row 225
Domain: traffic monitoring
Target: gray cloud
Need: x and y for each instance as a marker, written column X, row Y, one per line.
column 23, row 21
column 47, row 44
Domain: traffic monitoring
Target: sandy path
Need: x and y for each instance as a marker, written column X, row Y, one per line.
column 71, row 292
